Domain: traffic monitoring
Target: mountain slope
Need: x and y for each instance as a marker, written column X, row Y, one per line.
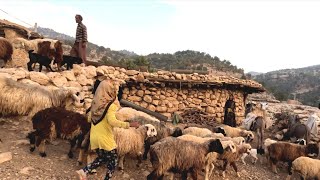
column 183, row 60
column 302, row 84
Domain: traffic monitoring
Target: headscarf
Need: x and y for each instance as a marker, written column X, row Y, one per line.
column 104, row 96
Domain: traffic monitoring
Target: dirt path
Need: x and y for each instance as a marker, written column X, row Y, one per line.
column 57, row 166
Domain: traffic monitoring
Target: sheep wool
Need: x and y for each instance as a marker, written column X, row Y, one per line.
column 307, row 167
column 6, row 50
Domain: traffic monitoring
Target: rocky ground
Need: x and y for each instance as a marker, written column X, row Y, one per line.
column 26, row 165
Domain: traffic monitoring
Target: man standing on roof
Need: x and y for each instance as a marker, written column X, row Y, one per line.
column 80, row 44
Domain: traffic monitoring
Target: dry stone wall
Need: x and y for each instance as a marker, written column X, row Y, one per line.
column 165, row 100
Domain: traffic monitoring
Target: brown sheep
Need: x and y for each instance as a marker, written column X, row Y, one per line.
column 288, row 152
column 56, row 122
column 6, row 50
column 176, row 155
column 229, row 157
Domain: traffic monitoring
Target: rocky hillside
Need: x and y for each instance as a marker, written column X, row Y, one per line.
column 193, row 61
column 302, row 84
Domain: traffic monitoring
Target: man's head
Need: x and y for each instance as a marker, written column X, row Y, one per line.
column 78, row 18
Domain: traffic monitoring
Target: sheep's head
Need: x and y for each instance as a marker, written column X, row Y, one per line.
column 177, row 132
column 73, row 99
column 312, row 149
column 220, row 130
column 241, row 140
column 247, row 148
column 249, row 136
column 151, row 130
column 215, row 146
column 230, row 146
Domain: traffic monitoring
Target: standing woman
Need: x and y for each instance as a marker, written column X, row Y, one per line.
column 229, row 112
column 103, row 119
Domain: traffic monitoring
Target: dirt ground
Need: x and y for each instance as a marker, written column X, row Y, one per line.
column 57, row 166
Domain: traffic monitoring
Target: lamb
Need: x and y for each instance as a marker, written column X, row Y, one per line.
column 56, row 122
column 27, row 99
column 236, row 140
column 127, row 113
column 307, row 167
column 70, row 60
column 176, row 155
column 288, row 152
column 235, row 132
column 131, row 141
column 231, row 158
column 6, row 50
column 196, row 131
column 37, row 58
column 212, row 156
column 253, row 153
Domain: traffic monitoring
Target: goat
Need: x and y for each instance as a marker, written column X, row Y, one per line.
column 37, row 58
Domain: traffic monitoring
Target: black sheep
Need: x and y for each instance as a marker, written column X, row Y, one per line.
column 56, row 122
column 37, row 58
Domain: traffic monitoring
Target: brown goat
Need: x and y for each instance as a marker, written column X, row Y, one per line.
column 56, row 122
column 6, row 50
column 288, row 152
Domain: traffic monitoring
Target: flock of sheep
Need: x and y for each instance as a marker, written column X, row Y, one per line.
column 172, row 150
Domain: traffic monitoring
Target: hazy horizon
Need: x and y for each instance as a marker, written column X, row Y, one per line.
column 259, row 36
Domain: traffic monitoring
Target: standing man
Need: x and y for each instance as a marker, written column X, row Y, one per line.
column 229, row 112
column 80, row 45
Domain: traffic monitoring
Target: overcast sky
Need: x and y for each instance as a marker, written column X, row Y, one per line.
column 256, row 35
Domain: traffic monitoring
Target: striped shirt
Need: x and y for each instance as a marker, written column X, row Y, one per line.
column 81, row 34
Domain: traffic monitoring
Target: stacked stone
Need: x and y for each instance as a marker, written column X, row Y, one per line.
column 165, row 100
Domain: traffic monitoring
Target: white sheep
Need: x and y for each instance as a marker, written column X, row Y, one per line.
column 127, row 113
column 196, row 131
column 235, row 132
column 27, row 99
column 253, row 153
column 307, row 167
column 236, row 140
column 131, row 141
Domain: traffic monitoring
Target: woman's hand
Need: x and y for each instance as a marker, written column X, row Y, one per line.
column 134, row 124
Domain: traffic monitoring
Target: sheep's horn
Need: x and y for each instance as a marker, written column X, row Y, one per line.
column 76, row 98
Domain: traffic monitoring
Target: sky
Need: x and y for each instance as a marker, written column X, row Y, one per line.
column 256, row 35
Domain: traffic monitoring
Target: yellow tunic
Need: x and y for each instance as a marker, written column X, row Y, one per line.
column 101, row 135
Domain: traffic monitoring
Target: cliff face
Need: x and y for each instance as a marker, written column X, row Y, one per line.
column 301, row 84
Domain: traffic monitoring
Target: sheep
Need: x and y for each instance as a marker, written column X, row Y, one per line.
column 126, row 113
column 162, row 130
column 6, row 50
column 27, row 99
column 288, row 152
column 212, row 156
column 235, row 132
column 307, row 167
column 196, row 131
column 253, row 153
column 176, row 155
column 131, row 141
column 231, row 158
column 56, row 122
column 236, row 140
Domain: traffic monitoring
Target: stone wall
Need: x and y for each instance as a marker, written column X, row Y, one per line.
column 163, row 99
column 169, row 99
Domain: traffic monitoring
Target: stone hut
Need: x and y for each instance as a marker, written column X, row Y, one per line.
column 164, row 92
